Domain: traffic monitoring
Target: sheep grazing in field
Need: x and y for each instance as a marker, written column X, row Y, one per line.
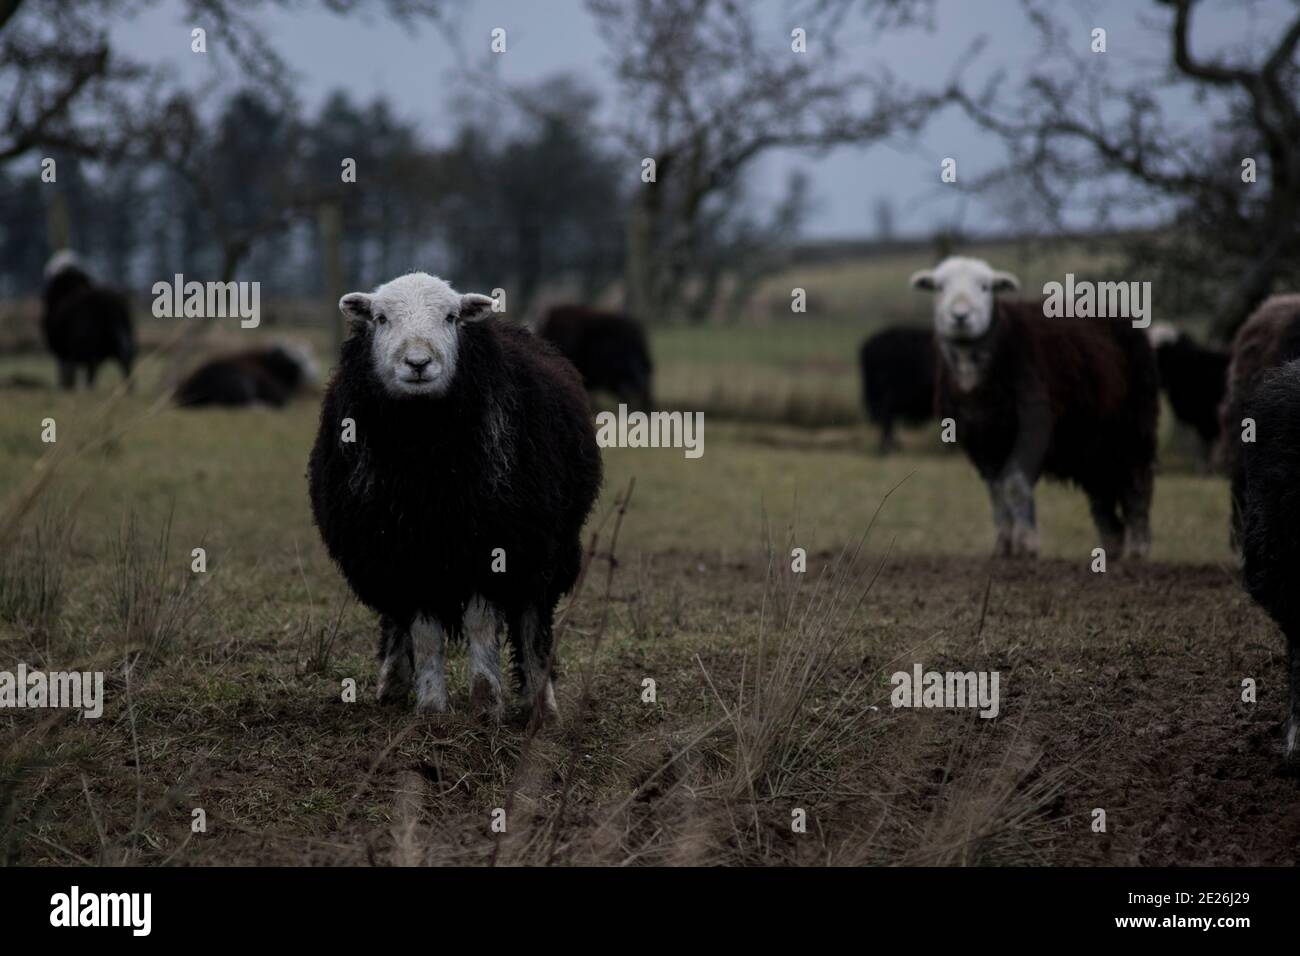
column 83, row 323
column 265, row 376
column 1270, row 516
column 1193, row 378
column 1074, row 399
column 455, row 464
column 1269, row 337
column 897, row 367
column 609, row 350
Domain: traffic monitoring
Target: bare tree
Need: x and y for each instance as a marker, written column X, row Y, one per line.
column 240, row 171
column 60, row 79
column 66, row 88
column 706, row 92
column 1227, row 183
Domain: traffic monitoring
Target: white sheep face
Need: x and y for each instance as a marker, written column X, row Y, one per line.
column 963, row 308
column 61, row 260
column 415, row 331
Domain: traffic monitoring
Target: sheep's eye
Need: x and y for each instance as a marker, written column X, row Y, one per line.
column 451, row 316
column 984, row 286
column 380, row 319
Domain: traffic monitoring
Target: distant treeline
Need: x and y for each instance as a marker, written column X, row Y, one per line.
column 249, row 193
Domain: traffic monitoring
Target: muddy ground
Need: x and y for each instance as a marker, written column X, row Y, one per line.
column 1119, row 691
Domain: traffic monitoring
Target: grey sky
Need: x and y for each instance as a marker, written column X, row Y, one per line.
column 416, row 70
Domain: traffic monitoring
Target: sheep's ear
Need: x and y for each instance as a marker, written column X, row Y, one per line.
column 356, row 306
column 1005, row 282
column 474, row 306
column 924, row 280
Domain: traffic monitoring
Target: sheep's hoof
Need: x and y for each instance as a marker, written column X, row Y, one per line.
column 1020, row 543
column 1003, row 547
column 1137, row 547
column 431, row 703
column 541, row 708
column 394, row 684
column 392, row 693
column 485, row 698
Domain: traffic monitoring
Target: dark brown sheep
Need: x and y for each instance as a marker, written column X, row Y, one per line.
column 1268, row 338
column 1269, row 513
column 1074, row 399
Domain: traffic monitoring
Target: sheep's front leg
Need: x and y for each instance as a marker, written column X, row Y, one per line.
column 429, row 641
column 394, row 661
column 483, row 630
column 1018, row 532
column 1017, row 493
column 1001, row 518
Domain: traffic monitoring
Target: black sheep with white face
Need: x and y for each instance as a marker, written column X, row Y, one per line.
column 84, row 324
column 458, row 507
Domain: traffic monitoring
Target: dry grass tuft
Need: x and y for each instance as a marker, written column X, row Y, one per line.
column 156, row 606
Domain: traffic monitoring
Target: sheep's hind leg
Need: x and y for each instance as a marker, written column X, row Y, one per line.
column 483, row 629
column 1136, row 506
column 887, row 442
column 395, row 665
column 429, row 642
column 530, row 636
column 1001, row 519
column 1107, row 521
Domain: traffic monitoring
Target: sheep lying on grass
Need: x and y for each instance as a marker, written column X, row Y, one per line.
column 265, row 376
column 83, row 323
column 454, row 467
column 1074, row 399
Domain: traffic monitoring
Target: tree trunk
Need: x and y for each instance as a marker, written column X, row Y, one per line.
column 638, row 264
column 329, row 224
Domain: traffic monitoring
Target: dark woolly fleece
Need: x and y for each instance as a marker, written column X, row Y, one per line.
column 1194, row 377
column 897, row 369
column 1270, row 337
column 1078, row 395
column 609, row 350
column 1270, row 507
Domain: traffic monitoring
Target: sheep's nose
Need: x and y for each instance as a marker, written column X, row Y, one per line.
column 960, row 318
column 419, row 363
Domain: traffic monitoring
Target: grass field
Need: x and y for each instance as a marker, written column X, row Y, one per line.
column 1119, row 691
